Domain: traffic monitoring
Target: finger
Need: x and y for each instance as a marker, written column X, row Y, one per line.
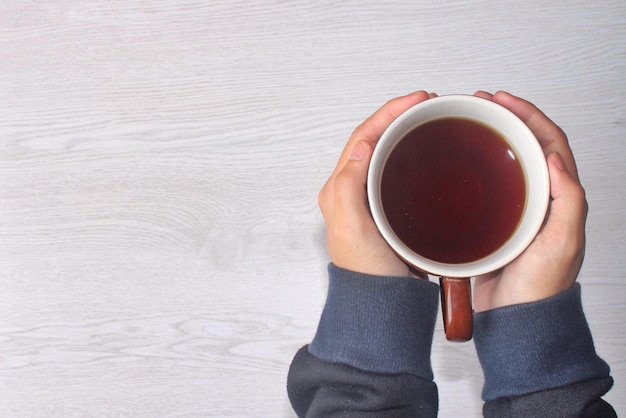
column 550, row 136
column 484, row 95
column 374, row 126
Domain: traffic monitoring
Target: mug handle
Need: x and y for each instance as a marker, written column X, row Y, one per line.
column 456, row 308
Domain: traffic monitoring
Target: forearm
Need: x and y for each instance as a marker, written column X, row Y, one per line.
column 371, row 352
column 539, row 360
column 323, row 389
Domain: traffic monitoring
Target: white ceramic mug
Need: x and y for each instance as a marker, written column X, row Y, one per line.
column 534, row 167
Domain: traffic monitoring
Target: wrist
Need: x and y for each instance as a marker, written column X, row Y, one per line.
column 536, row 346
column 378, row 323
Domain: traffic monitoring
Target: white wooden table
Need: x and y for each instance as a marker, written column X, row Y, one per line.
column 161, row 249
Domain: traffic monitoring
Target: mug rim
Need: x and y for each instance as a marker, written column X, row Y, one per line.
column 486, row 112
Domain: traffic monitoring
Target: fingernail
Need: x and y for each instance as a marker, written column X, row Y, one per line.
column 359, row 151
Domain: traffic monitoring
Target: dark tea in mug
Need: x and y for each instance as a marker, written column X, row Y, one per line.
column 453, row 190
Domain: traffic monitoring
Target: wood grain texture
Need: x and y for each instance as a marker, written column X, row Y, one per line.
column 161, row 249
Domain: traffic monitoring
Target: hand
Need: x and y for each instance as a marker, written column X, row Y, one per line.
column 551, row 263
column 354, row 242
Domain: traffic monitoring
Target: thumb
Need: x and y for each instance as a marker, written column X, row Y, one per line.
column 350, row 190
column 569, row 207
column 564, row 232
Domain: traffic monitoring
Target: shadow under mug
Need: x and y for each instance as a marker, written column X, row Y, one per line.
column 455, row 277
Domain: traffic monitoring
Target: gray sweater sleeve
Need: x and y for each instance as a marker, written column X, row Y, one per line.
column 371, row 355
column 539, row 359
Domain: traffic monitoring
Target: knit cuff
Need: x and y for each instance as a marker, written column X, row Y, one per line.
column 378, row 324
column 536, row 346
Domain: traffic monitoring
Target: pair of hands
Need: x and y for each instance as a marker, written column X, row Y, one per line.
column 549, row 265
